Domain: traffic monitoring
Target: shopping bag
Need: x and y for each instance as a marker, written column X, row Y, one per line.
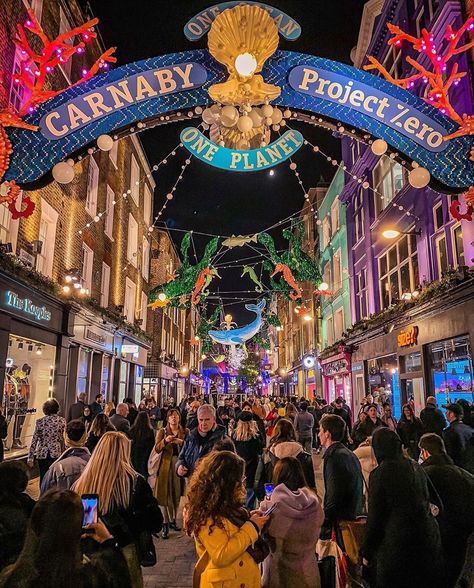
column 353, row 534
column 154, row 462
column 330, row 548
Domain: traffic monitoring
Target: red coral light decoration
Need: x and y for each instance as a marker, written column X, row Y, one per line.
column 455, row 210
column 36, row 67
column 27, row 208
column 438, row 78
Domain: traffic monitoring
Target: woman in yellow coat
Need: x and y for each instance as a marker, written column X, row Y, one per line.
column 223, row 530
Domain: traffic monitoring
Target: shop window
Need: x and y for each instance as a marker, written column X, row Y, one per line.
column 134, row 179
column 47, row 238
column 441, row 255
column 458, row 246
column 138, row 383
column 92, row 187
column 411, row 362
column 337, row 270
column 64, row 26
column 398, row 271
column 113, row 153
column 451, row 370
column 132, row 242
column 338, row 323
column 144, row 310
column 147, row 205
column 87, row 266
column 359, row 216
column 123, row 388
column 130, row 296
column 109, row 213
column 83, row 371
column 105, row 380
column 384, row 381
column 28, row 383
column 145, row 258
column 389, row 178
column 438, row 216
column 326, row 232
column 105, row 285
column 335, row 216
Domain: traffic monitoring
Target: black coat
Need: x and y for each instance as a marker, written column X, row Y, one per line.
column 402, row 537
column 433, row 420
column 364, row 429
column 76, row 411
column 197, row 446
column 140, row 453
column 3, row 434
column 459, row 441
column 343, row 482
column 410, row 433
column 15, row 512
column 249, row 451
column 455, row 487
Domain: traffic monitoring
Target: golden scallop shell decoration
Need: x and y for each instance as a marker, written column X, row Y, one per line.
column 243, row 38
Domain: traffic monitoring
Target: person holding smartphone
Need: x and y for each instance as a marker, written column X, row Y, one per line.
column 295, row 519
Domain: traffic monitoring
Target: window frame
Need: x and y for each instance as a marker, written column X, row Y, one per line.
column 113, row 154
column 337, row 263
column 93, row 173
column 386, row 276
column 147, row 204
column 145, row 258
column 144, row 310
column 454, row 228
column 330, row 331
column 134, row 177
column 64, row 26
column 335, row 220
column 436, row 207
column 378, row 182
column 109, row 213
column 49, row 216
column 87, row 253
column 359, row 225
column 105, row 290
column 437, row 240
column 132, row 235
column 339, row 312
column 130, row 286
column 326, row 229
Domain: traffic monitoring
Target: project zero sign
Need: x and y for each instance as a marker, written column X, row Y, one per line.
column 241, row 160
column 376, row 104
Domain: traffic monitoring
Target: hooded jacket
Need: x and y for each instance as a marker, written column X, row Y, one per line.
column 293, row 530
column 292, row 449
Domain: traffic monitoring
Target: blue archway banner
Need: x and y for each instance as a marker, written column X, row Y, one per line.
column 34, row 154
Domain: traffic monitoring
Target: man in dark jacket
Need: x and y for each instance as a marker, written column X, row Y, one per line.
column 304, row 424
column 343, row 498
column 96, row 406
column 76, row 410
column 200, row 441
column 455, row 487
column 338, row 408
column 119, row 419
column 459, row 438
column 69, row 466
column 432, row 418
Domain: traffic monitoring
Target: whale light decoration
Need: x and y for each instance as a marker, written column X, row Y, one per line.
column 240, row 335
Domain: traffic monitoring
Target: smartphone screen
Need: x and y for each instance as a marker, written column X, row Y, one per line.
column 268, row 490
column 90, row 503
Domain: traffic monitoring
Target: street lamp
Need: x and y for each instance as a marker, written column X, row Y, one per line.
column 392, row 233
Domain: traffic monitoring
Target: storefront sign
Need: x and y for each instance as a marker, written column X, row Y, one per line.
column 200, row 24
column 241, row 160
column 368, row 100
column 408, row 337
column 40, row 313
column 335, row 367
column 111, row 97
column 26, row 258
column 130, row 348
column 93, row 336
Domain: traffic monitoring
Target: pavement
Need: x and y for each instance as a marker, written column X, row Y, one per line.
column 176, row 556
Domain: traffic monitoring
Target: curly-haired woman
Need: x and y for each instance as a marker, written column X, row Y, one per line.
column 223, row 530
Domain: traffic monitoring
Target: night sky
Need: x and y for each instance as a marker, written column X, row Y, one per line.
column 208, row 199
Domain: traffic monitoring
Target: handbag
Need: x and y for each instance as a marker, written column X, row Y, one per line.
column 154, row 462
column 327, row 571
column 353, row 534
column 329, row 547
column 145, row 549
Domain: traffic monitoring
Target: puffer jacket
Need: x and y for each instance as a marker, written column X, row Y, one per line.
column 195, row 448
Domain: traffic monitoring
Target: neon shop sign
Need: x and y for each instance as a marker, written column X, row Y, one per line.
column 25, row 305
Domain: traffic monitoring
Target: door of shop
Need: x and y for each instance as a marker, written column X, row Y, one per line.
column 414, row 388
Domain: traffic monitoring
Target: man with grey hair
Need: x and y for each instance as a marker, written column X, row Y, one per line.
column 119, row 419
column 76, row 410
column 200, row 441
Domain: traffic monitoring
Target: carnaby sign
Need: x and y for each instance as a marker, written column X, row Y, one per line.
column 80, row 111
column 240, row 160
column 370, row 101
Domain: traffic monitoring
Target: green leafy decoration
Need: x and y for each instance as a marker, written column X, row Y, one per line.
column 250, row 368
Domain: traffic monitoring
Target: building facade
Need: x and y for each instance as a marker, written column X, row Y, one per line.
column 75, row 274
column 335, row 310
column 390, row 279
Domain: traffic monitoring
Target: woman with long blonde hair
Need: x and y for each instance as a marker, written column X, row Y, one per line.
column 249, row 445
column 126, row 503
column 223, row 530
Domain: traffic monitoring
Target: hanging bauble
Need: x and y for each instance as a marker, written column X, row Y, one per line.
column 70, row 162
column 379, row 147
column 105, row 142
column 268, row 121
column 63, row 173
column 207, row 116
column 287, row 113
column 419, row 177
column 229, row 116
column 245, row 124
column 256, row 115
column 277, row 115
column 267, row 110
column 243, row 144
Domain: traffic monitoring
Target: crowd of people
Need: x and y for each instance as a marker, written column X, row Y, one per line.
column 396, row 511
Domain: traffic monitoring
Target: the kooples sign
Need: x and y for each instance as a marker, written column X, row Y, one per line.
column 408, row 337
column 80, row 111
column 40, row 313
column 398, row 115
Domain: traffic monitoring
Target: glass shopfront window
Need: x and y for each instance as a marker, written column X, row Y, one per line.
column 28, row 383
column 83, row 371
column 138, row 383
column 451, row 374
column 384, row 381
column 123, row 380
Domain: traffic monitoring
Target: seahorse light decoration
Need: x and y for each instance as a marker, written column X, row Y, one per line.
column 253, row 276
column 295, row 293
